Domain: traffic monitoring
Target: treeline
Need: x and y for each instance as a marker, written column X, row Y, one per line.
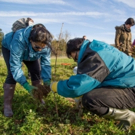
column 57, row 44
column 60, row 45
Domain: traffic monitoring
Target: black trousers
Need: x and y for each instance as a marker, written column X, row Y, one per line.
column 99, row 100
column 33, row 67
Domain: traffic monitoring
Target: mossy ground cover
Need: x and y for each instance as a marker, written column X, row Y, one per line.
column 32, row 118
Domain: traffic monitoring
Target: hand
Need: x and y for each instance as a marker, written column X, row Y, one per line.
column 47, row 83
column 78, row 102
column 46, row 90
column 28, row 87
column 53, row 87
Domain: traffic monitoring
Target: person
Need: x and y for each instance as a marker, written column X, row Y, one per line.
column 26, row 45
column 84, row 37
column 123, row 36
column 104, row 81
column 22, row 23
column 133, row 44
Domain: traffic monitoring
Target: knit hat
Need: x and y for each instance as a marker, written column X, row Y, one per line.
column 130, row 21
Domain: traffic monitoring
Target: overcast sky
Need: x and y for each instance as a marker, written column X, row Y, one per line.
column 94, row 18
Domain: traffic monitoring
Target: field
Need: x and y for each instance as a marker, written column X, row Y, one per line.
column 32, row 118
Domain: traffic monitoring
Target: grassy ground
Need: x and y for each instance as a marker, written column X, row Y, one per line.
column 32, row 118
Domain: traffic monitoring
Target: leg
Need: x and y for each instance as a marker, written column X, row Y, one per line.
column 112, row 103
column 9, row 85
column 34, row 69
column 29, row 76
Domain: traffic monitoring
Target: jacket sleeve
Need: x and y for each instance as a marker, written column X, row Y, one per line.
column 130, row 41
column 76, row 85
column 117, row 37
column 46, row 65
column 16, row 52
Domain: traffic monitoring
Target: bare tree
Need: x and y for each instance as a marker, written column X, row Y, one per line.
column 65, row 36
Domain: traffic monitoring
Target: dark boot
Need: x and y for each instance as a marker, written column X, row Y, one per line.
column 125, row 116
column 8, row 96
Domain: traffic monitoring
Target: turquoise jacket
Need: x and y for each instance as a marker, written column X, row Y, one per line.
column 20, row 49
column 99, row 65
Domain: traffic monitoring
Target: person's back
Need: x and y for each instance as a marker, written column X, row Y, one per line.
column 7, row 39
column 20, row 35
column 18, row 25
column 118, row 67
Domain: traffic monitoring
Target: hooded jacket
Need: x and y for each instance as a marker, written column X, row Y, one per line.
column 123, row 39
column 99, row 65
column 21, row 49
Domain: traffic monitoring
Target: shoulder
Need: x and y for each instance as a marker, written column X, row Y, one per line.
column 22, row 35
column 120, row 28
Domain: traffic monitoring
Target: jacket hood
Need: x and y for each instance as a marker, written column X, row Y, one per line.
column 123, row 28
column 120, row 27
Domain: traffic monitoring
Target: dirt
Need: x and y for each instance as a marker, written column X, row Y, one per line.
column 41, row 92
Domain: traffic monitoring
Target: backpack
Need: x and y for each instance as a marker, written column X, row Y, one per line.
column 22, row 23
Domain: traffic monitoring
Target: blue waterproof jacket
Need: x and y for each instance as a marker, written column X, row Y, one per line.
column 99, row 64
column 20, row 49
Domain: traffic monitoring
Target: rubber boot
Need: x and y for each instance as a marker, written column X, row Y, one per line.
column 125, row 116
column 8, row 97
column 36, row 83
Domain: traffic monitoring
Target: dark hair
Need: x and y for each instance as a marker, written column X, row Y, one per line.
column 39, row 33
column 130, row 21
column 73, row 45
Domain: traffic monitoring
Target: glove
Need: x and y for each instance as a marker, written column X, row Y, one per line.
column 47, row 83
column 53, row 87
column 28, row 87
column 78, row 102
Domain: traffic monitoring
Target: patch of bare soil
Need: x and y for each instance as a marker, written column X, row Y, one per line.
column 41, row 92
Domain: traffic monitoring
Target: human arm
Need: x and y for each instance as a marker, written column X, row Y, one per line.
column 92, row 70
column 75, row 86
column 46, row 67
column 117, row 38
column 130, row 40
column 16, row 58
